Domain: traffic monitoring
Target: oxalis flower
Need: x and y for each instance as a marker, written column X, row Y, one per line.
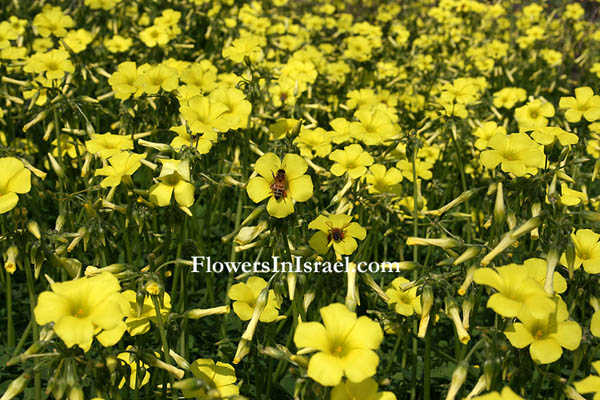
column 545, row 336
column 84, row 308
column 337, row 231
column 344, row 343
column 15, row 178
column 283, row 182
column 516, row 290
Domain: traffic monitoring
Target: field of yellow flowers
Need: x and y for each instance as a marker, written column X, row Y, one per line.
column 299, row 200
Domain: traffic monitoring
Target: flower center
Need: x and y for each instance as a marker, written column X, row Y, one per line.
column 539, row 334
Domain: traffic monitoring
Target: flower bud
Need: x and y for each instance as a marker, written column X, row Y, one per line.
column 467, row 255
column 242, row 351
column 56, row 166
column 75, row 393
column 444, row 243
column 261, row 303
column 453, row 313
column 112, row 363
column 478, row 388
column 198, row 313
column 292, row 278
column 16, row 386
column 151, row 360
column 572, row 394
column 491, row 367
column 156, row 146
column 499, row 208
column 426, row 306
column 11, row 259
column 462, row 290
column 351, row 292
column 536, row 208
column 458, row 379
column 551, row 261
column 511, row 220
column 34, row 229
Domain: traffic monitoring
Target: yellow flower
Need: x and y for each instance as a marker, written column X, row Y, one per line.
column 313, row 143
column 123, row 80
column 283, row 182
column 174, row 179
column 150, row 79
column 238, row 108
column 545, row 336
column 365, row 390
column 219, row 375
column 129, row 358
column 248, row 46
column 337, row 231
column 108, row 145
column 585, row 104
column 548, row 134
column 590, row 384
column 139, row 323
column 374, row 127
column 84, row 308
column 202, row 143
column 245, row 296
column 587, row 251
column 121, row 167
column 536, row 268
column 15, row 179
column 509, row 96
column 155, row 35
column 344, row 343
column 282, row 127
column 461, row 90
column 485, row 132
column 404, row 302
column 423, row 169
column 204, row 115
column 516, row 290
column 516, row 153
column 570, row 197
column 78, row 40
column 118, row 44
column 534, row 114
column 52, row 21
column 54, row 64
column 353, row 160
column 381, row 180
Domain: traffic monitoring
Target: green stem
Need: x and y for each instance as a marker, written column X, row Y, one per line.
column 10, row 329
column 388, row 367
column 415, row 327
column 163, row 339
column 427, row 367
column 36, row 329
column 24, row 336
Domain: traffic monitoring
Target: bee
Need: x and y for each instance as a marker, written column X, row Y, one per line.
column 336, row 234
column 279, row 184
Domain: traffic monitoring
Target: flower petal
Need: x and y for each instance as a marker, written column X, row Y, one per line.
column 325, row 369
column 301, row 188
column 258, row 189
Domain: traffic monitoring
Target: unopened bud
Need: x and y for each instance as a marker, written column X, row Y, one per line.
column 426, row 306
column 462, row 290
column 242, row 351
column 572, row 394
column 444, row 243
column 551, row 261
column 453, row 313
column 16, row 386
column 11, row 259
column 511, row 220
column 351, row 292
column 458, row 379
column 499, row 208
column 292, row 278
column 56, row 166
column 198, row 313
column 261, row 303
column 76, row 393
column 491, row 367
column 467, row 255
column 157, row 146
column 34, row 229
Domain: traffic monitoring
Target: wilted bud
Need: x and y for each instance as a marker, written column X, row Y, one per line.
column 140, row 296
column 309, row 296
column 198, row 313
column 594, row 303
column 152, row 361
column 453, row 313
column 368, row 279
column 591, row 216
column 570, row 255
column 458, row 379
column 536, row 209
column 499, row 208
column 340, row 195
column 444, row 243
column 551, row 194
column 467, row 306
column 426, row 305
column 152, row 288
column 511, row 220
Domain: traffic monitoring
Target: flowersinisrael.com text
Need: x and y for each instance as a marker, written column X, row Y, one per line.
column 206, row 264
